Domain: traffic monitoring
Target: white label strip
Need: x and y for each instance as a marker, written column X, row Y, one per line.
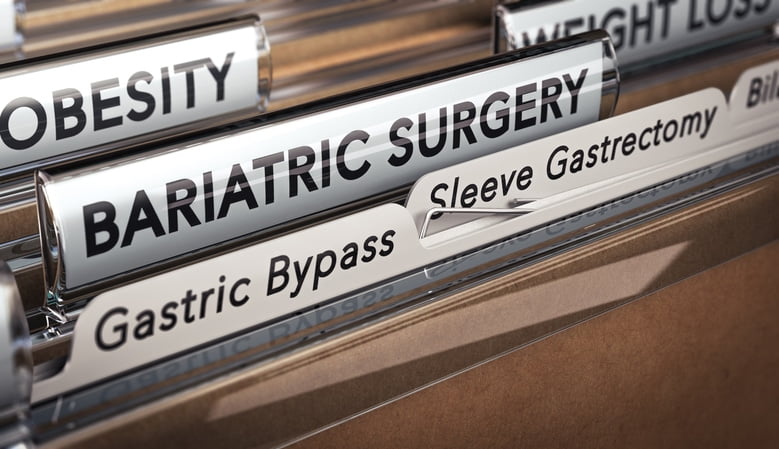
column 8, row 35
column 170, row 313
column 754, row 101
column 578, row 158
column 640, row 29
column 154, row 208
column 195, row 304
column 58, row 108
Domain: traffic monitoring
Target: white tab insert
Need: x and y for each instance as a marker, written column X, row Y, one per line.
column 640, row 29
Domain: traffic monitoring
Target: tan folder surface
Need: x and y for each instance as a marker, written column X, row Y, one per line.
column 693, row 365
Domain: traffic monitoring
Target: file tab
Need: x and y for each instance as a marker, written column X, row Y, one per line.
column 755, row 97
column 640, row 29
column 243, row 181
column 584, row 156
column 145, row 321
column 71, row 107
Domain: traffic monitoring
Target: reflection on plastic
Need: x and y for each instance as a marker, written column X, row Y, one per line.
column 591, row 289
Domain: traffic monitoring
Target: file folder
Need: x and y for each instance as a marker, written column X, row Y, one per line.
column 689, row 365
column 364, row 380
column 611, row 284
column 116, row 328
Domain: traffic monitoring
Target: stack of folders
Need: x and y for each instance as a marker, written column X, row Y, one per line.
column 383, row 223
